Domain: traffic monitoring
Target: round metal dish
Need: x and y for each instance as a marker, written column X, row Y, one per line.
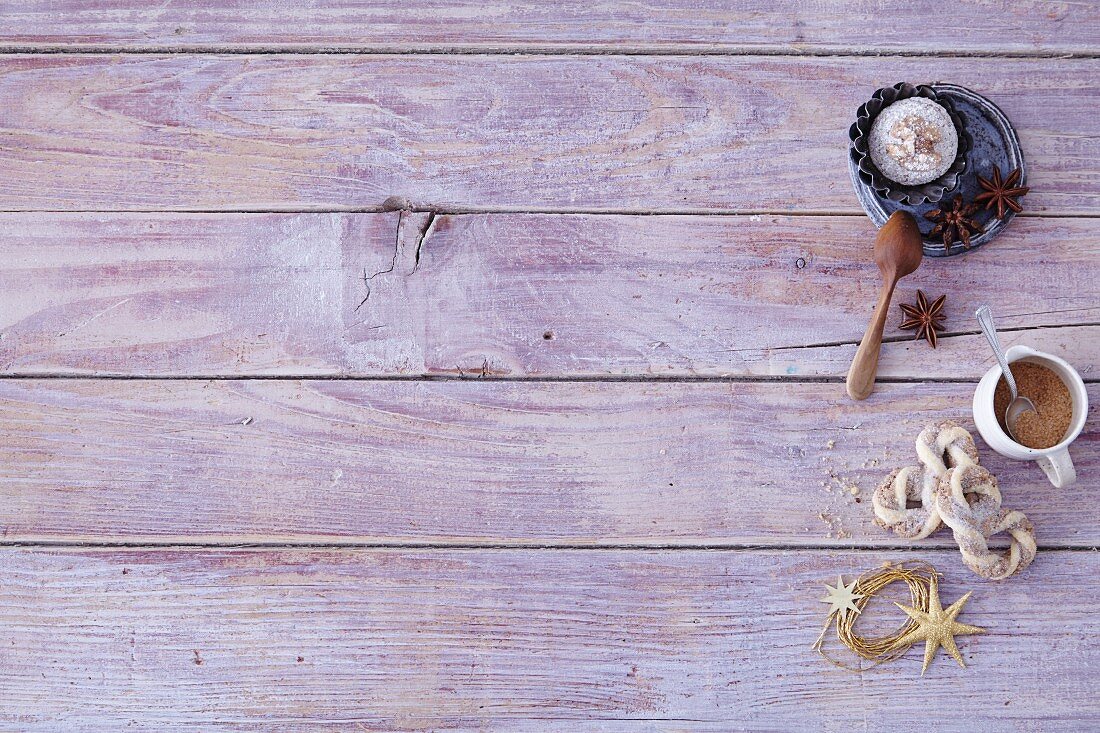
column 995, row 145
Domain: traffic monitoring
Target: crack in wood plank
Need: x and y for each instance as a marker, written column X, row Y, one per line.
column 282, row 295
column 393, row 262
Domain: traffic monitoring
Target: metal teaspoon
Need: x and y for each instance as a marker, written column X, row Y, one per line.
column 1019, row 403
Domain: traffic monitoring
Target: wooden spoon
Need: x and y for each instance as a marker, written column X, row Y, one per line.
column 898, row 252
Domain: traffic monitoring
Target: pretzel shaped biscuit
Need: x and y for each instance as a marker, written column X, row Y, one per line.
column 940, row 446
column 969, row 502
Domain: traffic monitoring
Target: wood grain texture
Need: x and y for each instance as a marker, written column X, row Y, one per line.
column 467, row 462
column 697, row 609
column 526, row 133
column 517, row 641
column 514, row 295
column 653, row 25
column 156, row 294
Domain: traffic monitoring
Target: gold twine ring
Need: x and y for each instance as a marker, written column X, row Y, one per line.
column 917, row 575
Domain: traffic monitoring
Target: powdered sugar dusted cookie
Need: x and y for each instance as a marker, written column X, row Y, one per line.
column 913, row 141
column 940, row 446
column 969, row 502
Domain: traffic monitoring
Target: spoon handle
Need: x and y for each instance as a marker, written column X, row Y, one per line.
column 985, row 320
column 861, row 376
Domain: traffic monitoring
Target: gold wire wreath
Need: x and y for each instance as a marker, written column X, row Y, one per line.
column 916, row 574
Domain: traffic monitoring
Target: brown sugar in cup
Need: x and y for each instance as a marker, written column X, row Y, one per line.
column 1047, row 426
column 1055, row 461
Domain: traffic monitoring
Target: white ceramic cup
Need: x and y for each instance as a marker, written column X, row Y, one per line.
column 1054, row 461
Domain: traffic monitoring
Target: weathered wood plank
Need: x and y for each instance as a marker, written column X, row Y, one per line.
column 516, row 640
column 712, row 25
column 718, row 296
column 202, row 294
column 476, row 462
column 493, row 132
column 518, row 295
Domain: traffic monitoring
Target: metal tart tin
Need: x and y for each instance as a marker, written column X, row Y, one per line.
column 859, row 151
column 995, row 145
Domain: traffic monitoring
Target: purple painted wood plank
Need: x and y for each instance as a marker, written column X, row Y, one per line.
column 721, row 296
column 710, row 25
column 517, row 640
column 494, row 132
column 517, row 295
column 207, row 294
column 475, row 462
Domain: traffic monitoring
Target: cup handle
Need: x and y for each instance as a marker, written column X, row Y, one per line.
column 1059, row 468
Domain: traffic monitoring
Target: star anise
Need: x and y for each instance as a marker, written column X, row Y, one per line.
column 1002, row 194
column 924, row 316
column 955, row 223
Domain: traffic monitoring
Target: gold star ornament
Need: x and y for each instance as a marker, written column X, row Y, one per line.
column 937, row 627
column 842, row 597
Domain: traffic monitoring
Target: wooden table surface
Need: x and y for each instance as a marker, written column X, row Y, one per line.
column 479, row 366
